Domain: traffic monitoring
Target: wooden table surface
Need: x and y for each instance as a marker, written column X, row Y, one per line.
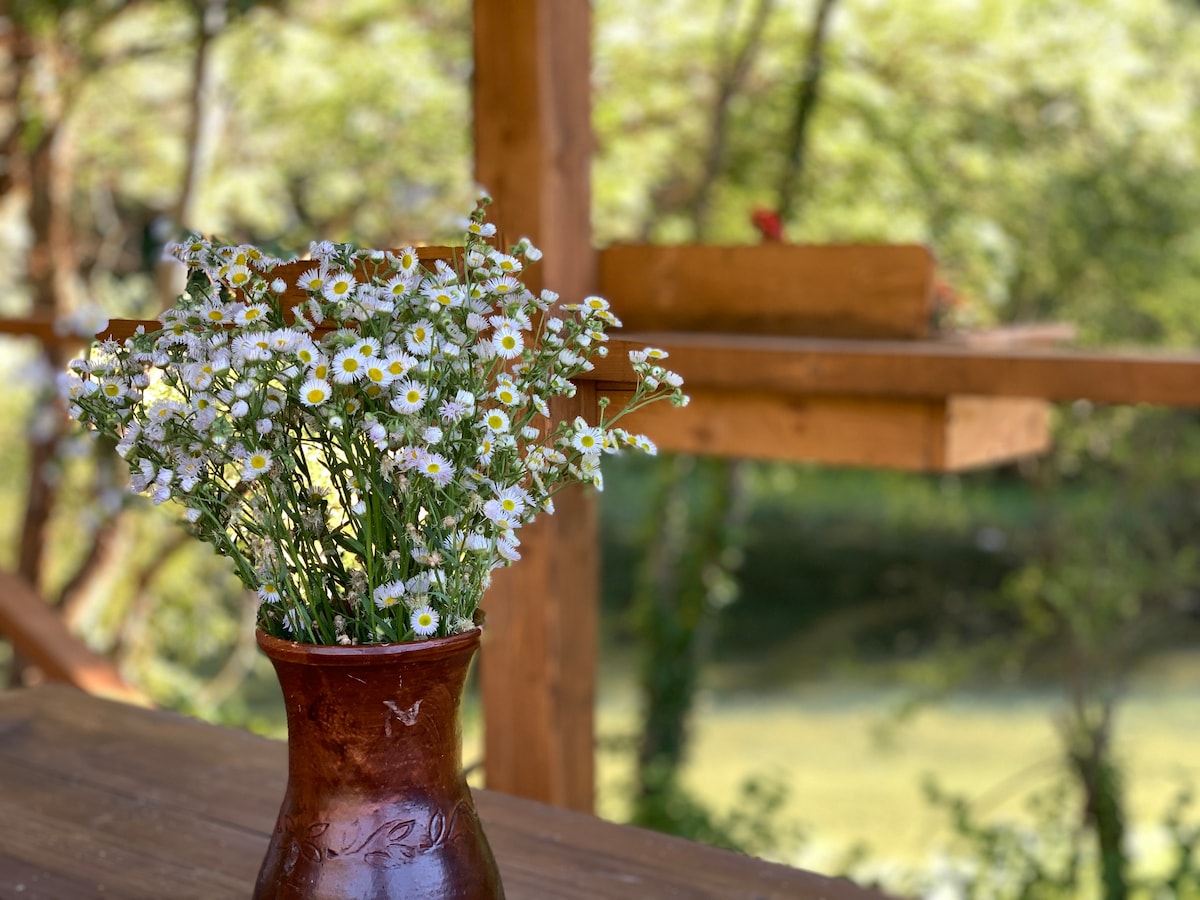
column 104, row 800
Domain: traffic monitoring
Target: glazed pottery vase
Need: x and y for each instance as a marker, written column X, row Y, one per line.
column 376, row 806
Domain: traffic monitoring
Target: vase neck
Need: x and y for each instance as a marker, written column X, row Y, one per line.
column 375, row 719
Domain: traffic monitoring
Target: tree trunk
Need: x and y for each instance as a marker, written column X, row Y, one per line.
column 808, row 92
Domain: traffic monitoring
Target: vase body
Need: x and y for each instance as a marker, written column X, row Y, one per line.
column 376, row 807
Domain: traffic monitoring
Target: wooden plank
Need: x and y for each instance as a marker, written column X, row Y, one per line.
column 538, row 662
column 584, row 858
column 44, row 640
column 1033, row 334
column 914, row 369
column 876, row 368
column 916, row 435
column 533, row 142
column 117, row 801
column 825, row 290
column 755, row 424
column 986, row 431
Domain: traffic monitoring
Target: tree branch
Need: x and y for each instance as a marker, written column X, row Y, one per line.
column 808, row 92
column 728, row 87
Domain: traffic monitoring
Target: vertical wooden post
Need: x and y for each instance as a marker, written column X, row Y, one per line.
column 532, row 154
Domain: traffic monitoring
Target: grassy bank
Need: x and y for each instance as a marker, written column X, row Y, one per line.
column 852, row 780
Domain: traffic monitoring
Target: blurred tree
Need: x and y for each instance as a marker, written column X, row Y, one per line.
column 122, row 122
column 1049, row 186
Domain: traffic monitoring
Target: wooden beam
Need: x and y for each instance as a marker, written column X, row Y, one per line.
column 44, row 640
column 532, row 147
column 868, row 368
column 913, row 369
column 821, row 290
column 935, row 435
column 986, row 431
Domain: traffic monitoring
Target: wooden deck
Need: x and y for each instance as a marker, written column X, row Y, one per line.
column 102, row 799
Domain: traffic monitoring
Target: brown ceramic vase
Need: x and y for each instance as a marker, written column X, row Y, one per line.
column 376, row 807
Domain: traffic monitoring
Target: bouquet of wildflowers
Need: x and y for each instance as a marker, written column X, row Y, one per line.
column 367, row 454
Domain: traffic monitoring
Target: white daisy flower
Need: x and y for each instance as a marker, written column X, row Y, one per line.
column 508, row 342
column 501, row 285
column 283, row 340
column 511, row 500
column 496, row 421
column 367, row 348
column 376, row 372
column 215, row 312
column 268, row 592
column 452, row 410
column 306, row 351
column 587, row 439
column 644, row 444
column 320, row 368
column 506, row 392
column 506, row 547
column 252, row 313
column 409, row 397
column 484, row 452
column 396, row 287
column 256, row 463
column 199, row 376
column 443, row 296
column 388, row 595
column 313, row 280
column 419, row 338
column 408, row 261
column 238, row 276
column 509, row 265
column 347, row 366
column 398, row 362
column 339, row 286
column 113, row 389
column 436, row 468
column 424, row 621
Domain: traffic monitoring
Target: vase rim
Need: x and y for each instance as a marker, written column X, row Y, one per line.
column 365, row 654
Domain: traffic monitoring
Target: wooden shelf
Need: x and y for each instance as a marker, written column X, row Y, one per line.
column 919, row 435
column 916, row 405
column 913, row 369
column 827, row 290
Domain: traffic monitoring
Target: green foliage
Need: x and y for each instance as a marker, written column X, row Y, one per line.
column 1046, row 855
column 754, row 823
column 1048, row 184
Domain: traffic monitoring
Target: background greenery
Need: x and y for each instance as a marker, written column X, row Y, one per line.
column 1024, row 632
